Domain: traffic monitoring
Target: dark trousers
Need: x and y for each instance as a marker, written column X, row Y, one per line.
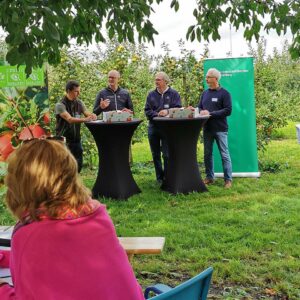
column 76, row 150
column 158, row 145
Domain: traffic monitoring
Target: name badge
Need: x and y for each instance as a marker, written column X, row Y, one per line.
column 166, row 106
column 214, row 99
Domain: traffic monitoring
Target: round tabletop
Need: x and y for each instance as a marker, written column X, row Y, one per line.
column 167, row 119
column 102, row 123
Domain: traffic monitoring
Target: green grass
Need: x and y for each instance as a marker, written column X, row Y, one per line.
column 249, row 234
column 287, row 132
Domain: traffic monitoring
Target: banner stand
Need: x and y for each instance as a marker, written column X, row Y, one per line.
column 236, row 174
column 237, row 76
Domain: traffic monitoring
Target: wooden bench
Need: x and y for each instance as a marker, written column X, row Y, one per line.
column 132, row 245
column 142, row 245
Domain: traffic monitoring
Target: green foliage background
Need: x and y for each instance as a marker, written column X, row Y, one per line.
column 277, row 82
column 137, row 70
column 256, row 251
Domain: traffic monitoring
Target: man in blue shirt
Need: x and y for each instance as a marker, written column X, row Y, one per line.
column 216, row 102
column 157, row 105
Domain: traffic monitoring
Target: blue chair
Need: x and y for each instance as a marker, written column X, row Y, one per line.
column 195, row 288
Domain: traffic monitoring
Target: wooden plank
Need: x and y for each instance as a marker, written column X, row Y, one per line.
column 6, row 228
column 132, row 245
column 142, row 245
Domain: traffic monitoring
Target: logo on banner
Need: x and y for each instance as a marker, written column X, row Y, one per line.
column 11, row 76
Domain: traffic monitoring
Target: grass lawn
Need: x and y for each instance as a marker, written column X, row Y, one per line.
column 250, row 234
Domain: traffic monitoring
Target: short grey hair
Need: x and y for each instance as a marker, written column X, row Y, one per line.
column 215, row 73
column 164, row 76
column 115, row 72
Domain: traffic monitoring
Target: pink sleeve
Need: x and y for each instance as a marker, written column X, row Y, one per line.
column 7, row 292
column 4, row 258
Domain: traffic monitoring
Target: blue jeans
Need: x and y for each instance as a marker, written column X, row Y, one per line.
column 157, row 145
column 222, row 143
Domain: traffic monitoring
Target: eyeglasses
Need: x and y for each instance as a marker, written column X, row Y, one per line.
column 52, row 137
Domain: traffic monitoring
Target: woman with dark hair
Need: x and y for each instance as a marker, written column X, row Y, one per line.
column 64, row 245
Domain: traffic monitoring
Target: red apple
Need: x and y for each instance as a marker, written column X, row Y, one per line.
column 6, row 147
column 46, row 118
column 36, row 130
column 11, row 125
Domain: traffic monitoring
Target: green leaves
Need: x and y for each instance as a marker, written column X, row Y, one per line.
column 190, row 30
column 175, row 4
column 36, row 30
column 50, row 31
column 15, row 17
column 14, row 57
column 210, row 15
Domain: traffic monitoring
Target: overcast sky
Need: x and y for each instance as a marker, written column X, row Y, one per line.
column 173, row 26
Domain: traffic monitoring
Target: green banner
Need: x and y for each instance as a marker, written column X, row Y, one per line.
column 24, row 107
column 238, row 78
column 11, row 76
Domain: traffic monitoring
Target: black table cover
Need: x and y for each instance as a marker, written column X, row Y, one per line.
column 182, row 174
column 114, row 177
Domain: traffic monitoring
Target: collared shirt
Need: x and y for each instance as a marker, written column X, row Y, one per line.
column 157, row 102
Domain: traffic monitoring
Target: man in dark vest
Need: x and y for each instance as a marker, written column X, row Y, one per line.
column 113, row 97
column 68, row 119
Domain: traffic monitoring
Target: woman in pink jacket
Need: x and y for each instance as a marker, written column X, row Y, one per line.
column 64, row 245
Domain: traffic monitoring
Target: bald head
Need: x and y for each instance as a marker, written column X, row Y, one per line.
column 113, row 79
column 114, row 73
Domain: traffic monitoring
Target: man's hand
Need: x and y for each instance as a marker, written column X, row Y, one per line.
column 91, row 117
column 104, row 103
column 204, row 113
column 127, row 110
column 163, row 113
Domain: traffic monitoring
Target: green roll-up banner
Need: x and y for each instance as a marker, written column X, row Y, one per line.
column 238, row 78
column 24, row 107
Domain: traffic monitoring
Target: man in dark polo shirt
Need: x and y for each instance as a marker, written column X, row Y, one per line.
column 216, row 102
column 157, row 105
column 113, row 97
column 68, row 119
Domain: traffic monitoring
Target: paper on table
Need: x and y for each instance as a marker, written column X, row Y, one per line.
column 96, row 121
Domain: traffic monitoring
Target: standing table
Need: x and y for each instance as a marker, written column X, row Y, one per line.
column 114, row 177
column 182, row 174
